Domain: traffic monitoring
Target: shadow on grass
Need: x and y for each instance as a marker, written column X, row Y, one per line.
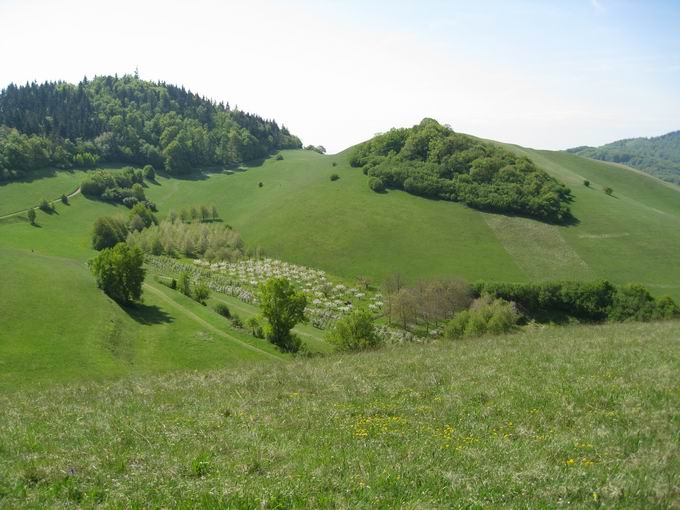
column 148, row 314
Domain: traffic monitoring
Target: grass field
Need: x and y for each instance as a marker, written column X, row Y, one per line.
column 586, row 417
column 301, row 216
column 58, row 327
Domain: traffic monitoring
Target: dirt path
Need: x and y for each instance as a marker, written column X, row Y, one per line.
column 207, row 325
column 16, row 213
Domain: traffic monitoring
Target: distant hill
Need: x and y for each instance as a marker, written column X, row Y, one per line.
column 126, row 120
column 658, row 156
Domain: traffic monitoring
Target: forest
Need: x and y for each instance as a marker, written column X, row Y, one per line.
column 126, row 120
column 433, row 161
column 658, row 156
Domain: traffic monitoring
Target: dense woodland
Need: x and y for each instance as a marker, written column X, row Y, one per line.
column 659, row 156
column 432, row 160
column 127, row 120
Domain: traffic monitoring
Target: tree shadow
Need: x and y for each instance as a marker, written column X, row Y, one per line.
column 148, row 314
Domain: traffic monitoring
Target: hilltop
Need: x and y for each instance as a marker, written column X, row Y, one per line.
column 126, row 120
column 658, row 156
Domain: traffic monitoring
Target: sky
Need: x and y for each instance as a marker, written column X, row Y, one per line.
column 542, row 74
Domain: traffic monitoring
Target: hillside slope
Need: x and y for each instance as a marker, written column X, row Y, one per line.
column 658, row 156
column 577, row 416
column 301, row 216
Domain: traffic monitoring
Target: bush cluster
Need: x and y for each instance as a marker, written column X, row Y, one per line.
column 354, row 332
column 485, row 316
column 123, row 187
column 586, row 301
column 433, row 161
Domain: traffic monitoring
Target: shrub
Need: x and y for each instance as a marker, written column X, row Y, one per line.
column 45, row 206
column 184, row 284
column 486, row 315
column 259, row 184
column 119, row 272
column 634, row 302
column 31, row 216
column 609, row 191
column 354, row 332
column 334, row 163
column 108, row 231
column 334, row 177
column 64, row 199
column 586, row 183
column 376, row 184
column 149, row 173
column 279, row 157
column 236, row 321
column 223, row 310
column 255, row 327
column 200, row 293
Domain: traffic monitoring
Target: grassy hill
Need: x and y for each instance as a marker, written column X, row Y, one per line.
column 658, row 156
column 301, row 216
column 579, row 416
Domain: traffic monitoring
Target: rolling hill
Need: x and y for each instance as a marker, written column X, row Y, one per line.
column 658, row 156
column 300, row 215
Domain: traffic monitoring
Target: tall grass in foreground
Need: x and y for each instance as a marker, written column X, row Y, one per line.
column 581, row 416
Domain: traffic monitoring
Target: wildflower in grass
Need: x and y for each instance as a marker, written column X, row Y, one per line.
column 570, row 462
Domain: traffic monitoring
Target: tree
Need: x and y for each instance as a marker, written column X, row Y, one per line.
column 283, row 307
column 376, row 184
column 213, row 211
column 354, row 332
column 141, row 217
column 609, row 191
column 64, row 199
column 184, row 284
column 201, row 292
column 254, row 326
column 205, row 213
column 119, row 272
column 108, row 231
column 31, row 216
column 149, row 173
column 586, row 183
column 45, row 206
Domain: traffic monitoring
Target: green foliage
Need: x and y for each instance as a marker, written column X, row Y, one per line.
column 126, row 120
column 214, row 241
column 149, row 173
column 108, row 231
column 634, row 302
column 658, row 156
column 608, row 191
column 431, row 160
column 255, row 327
column 485, row 316
column 316, row 148
column 222, row 309
column 64, row 199
column 200, row 292
column 119, row 272
column 184, row 284
column 283, row 307
column 586, row 301
column 376, row 184
column 45, row 206
column 31, row 216
column 141, row 217
column 354, row 332
column 586, row 183
column 236, row 321
column 334, row 177
column 124, row 187
column 279, row 157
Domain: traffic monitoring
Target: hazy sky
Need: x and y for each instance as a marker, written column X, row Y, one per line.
column 537, row 73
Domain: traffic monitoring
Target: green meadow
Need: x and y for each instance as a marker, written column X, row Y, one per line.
column 586, row 417
column 57, row 327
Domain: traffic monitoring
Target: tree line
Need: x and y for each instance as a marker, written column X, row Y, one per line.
column 433, row 161
column 128, row 120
